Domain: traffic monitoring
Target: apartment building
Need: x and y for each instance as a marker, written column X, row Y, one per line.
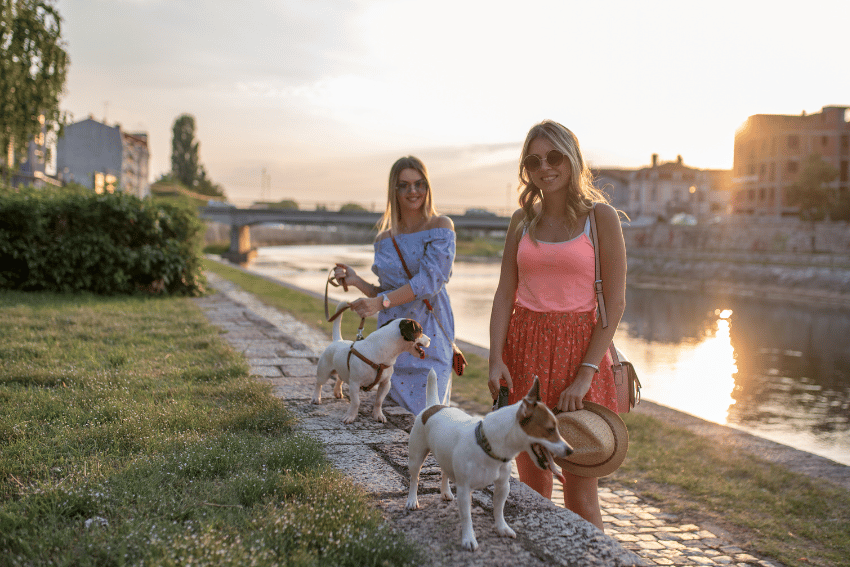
column 103, row 158
column 663, row 190
column 772, row 149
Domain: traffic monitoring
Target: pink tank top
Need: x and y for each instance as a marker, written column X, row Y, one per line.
column 556, row 276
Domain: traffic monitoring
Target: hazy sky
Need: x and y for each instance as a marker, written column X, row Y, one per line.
column 326, row 94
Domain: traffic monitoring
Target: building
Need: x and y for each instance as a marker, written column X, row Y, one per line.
column 34, row 168
column 772, row 149
column 103, row 158
column 663, row 190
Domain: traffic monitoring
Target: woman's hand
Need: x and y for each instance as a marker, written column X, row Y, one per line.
column 498, row 372
column 366, row 306
column 343, row 272
column 571, row 398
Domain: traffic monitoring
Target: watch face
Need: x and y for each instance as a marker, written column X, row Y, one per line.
column 386, row 302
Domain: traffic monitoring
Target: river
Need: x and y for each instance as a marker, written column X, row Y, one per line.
column 775, row 370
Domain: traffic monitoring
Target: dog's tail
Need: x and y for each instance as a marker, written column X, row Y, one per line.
column 337, row 331
column 432, row 398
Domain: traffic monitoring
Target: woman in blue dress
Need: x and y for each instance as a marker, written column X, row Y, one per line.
column 427, row 241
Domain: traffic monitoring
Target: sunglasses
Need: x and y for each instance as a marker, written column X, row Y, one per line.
column 404, row 187
column 532, row 162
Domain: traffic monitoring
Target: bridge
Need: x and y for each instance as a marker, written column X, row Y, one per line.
column 241, row 220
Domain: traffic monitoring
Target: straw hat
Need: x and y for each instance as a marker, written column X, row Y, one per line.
column 599, row 438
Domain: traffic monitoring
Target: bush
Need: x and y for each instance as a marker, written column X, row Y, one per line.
column 75, row 241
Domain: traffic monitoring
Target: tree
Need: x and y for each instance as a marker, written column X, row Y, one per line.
column 184, row 151
column 33, row 69
column 186, row 165
column 812, row 192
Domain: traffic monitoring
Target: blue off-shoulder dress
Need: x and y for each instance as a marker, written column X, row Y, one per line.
column 429, row 255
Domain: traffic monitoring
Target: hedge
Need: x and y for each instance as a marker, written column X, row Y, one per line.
column 69, row 241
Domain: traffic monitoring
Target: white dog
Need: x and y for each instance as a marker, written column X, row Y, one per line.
column 474, row 452
column 367, row 363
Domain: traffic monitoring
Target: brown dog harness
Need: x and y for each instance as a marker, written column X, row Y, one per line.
column 379, row 368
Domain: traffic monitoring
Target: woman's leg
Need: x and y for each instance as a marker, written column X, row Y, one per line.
column 533, row 476
column 581, row 496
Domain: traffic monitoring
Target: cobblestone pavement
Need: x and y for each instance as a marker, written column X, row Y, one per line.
column 287, row 347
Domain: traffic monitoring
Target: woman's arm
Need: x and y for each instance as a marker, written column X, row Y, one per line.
column 503, row 304
column 433, row 274
column 612, row 260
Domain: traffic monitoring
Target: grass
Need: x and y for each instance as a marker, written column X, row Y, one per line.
column 130, row 433
column 761, row 506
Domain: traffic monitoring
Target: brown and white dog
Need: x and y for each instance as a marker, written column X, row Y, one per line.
column 476, row 452
column 372, row 363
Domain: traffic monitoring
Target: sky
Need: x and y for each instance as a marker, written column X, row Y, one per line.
column 324, row 95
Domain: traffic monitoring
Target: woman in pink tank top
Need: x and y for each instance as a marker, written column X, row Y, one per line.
column 543, row 321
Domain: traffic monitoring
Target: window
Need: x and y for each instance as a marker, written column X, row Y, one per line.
column 843, row 172
column 824, row 141
column 845, row 142
column 762, row 171
column 793, row 142
column 791, row 167
column 751, row 195
column 771, row 176
column 762, row 194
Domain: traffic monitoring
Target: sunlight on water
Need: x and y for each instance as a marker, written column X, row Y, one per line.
column 695, row 377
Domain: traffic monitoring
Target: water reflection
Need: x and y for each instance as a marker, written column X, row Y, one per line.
column 779, row 371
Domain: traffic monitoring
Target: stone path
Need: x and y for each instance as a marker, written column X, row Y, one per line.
column 284, row 351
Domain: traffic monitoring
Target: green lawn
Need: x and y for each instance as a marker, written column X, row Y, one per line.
column 130, row 433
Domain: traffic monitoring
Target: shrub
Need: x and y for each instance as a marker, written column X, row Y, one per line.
column 76, row 241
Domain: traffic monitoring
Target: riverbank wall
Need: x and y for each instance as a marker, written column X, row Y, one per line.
column 786, row 260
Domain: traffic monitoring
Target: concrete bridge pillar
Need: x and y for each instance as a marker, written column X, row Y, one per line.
column 240, row 251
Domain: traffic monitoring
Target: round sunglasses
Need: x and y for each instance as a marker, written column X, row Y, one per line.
column 532, row 162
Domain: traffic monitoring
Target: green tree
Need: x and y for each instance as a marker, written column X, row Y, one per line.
column 186, row 167
column 812, row 192
column 185, row 162
column 33, row 69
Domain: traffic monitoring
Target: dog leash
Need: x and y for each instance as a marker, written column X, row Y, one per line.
column 379, row 368
column 333, row 281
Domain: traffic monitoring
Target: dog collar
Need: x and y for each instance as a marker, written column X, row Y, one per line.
column 481, row 439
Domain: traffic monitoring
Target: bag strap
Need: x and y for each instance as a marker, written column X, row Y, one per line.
column 597, row 284
column 427, row 303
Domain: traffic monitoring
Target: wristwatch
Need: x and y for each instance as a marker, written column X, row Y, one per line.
column 385, row 302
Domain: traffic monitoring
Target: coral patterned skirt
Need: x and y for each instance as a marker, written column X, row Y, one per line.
column 551, row 346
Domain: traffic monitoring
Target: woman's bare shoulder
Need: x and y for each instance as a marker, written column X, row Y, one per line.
column 441, row 221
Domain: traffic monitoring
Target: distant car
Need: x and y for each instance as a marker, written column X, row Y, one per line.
column 479, row 213
column 683, row 219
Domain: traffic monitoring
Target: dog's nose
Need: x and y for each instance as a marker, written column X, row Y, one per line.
column 568, row 450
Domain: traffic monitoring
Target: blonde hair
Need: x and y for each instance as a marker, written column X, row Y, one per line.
column 583, row 195
column 391, row 216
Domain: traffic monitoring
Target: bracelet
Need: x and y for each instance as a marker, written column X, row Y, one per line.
column 589, row 365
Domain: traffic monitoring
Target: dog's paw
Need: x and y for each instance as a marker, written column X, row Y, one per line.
column 379, row 416
column 505, row 531
column 349, row 419
column 412, row 504
column 317, row 401
column 469, row 543
column 447, row 496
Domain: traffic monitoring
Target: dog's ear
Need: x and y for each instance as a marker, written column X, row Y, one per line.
column 533, row 395
column 410, row 329
column 530, row 400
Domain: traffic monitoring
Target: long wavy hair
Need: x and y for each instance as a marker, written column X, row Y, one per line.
column 391, row 216
column 581, row 194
